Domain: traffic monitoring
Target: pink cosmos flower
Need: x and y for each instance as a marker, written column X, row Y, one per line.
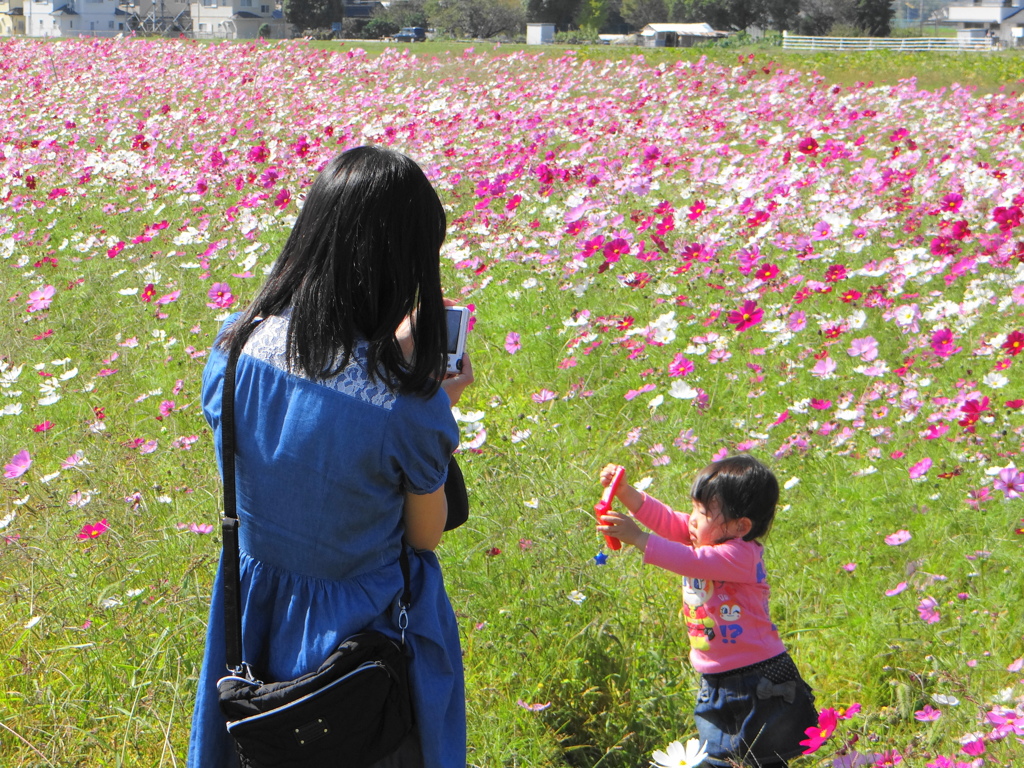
column 808, row 146
column 942, row 343
column 680, row 366
column 974, row 748
column 1014, row 343
column 888, row 759
column 45, row 426
column 866, row 349
column 220, row 296
column 533, row 707
column 823, row 368
column 18, row 465
column 512, row 344
column 920, row 469
column 93, row 531
column 896, row 590
column 1010, row 482
column 896, row 539
column 927, row 609
column 168, row 298
column 928, row 714
column 951, row 203
column 544, row 396
column 40, row 298
column 817, row 735
column 746, row 316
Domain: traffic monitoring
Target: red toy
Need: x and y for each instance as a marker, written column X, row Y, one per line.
column 605, row 504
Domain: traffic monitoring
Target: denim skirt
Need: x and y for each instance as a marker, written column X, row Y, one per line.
column 756, row 716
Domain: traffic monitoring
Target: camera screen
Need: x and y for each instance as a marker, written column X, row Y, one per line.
column 454, row 321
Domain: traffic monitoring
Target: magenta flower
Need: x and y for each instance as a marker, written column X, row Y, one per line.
column 951, row 203
column 896, row 539
column 920, row 469
column 896, row 590
column 544, row 396
column 18, row 465
column 40, row 298
column 817, row 735
column 93, row 531
column 927, row 609
column 746, row 316
column 1014, row 343
column 220, row 296
column 808, row 146
column 928, row 714
column 974, row 748
column 533, row 707
column 680, row 366
column 942, row 343
column 512, row 344
column 866, row 349
column 824, row 368
column 1010, row 482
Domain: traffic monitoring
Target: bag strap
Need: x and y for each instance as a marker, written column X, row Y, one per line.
column 229, row 529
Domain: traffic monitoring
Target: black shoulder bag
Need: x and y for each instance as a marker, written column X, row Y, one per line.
column 353, row 711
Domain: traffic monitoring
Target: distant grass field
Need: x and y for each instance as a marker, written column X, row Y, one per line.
column 613, row 216
column 987, row 72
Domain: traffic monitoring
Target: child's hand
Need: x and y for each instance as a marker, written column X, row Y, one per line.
column 608, row 473
column 624, row 529
column 625, row 492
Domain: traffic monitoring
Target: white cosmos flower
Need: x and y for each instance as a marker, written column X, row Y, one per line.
column 681, row 390
column 995, row 380
column 678, row 756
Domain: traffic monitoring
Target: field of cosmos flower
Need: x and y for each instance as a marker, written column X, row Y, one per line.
column 667, row 261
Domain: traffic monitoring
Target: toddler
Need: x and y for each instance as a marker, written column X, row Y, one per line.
column 752, row 707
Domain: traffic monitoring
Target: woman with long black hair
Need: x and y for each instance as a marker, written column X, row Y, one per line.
column 344, row 434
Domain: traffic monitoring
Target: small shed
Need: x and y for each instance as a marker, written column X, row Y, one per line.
column 540, row 34
column 676, row 35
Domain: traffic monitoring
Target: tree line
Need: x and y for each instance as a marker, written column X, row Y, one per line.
column 488, row 18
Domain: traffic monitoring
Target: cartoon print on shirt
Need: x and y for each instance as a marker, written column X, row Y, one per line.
column 700, row 626
column 730, row 616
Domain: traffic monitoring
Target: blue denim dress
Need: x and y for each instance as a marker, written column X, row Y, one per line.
column 755, row 716
column 322, row 470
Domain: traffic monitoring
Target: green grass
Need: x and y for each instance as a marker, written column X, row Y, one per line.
column 102, row 640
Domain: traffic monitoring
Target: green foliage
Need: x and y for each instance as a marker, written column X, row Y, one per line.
column 581, row 36
column 476, row 18
column 379, row 27
column 593, row 15
column 874, row 16
column 312, row 14
column 410, row 13
column 639, row 13
column 561, row 13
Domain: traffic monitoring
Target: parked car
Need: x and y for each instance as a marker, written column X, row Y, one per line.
column 411, row 35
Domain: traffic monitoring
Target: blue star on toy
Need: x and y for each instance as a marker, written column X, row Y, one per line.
column 600, row 558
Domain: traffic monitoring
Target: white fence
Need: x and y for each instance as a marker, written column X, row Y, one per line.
column 906, row 44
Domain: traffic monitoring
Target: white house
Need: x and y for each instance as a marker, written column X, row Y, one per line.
column 676, row 35
column 12, row 18
column 237, row 19
column 1003, row 20
column 71, row 18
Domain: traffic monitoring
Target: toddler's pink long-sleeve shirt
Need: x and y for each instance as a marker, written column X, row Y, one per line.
column 725, row 592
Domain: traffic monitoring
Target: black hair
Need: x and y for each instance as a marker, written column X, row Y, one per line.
column 364, row 254
column 744, row 487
